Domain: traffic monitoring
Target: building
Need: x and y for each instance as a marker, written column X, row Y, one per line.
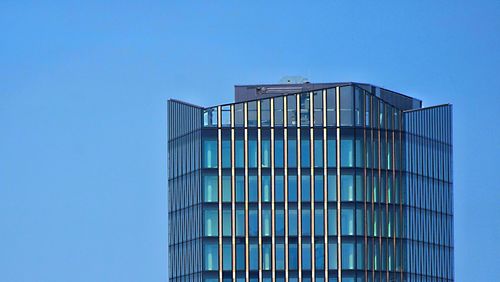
column 310, row 182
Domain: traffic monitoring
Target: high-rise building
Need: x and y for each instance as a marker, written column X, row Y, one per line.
column 311, row 182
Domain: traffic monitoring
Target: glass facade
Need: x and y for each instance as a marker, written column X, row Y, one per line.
column 332, row 184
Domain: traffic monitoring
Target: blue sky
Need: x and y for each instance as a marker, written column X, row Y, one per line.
column 83, row 90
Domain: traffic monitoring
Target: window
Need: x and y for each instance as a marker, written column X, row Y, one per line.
column 359, row 151
column 252, row 114
column 318, row 188
column 240, row 188
column 252, row 188
column 240, row 222
column 359, row 188
column 332, row 256
column 346, row 106
column 266, row 257
column 306, row 256
column 279, row 189
column 306, row 188
column 331, row 101
column 252, row 153
column 278, row 111
column 266, row 153
column 265, row 112
column 280, row 222
column 280, row 256
column 331, row 152
column 347, row 255
column 346, row 153
column 226, row 222
column 210, row 117
column 239, row 115
column 227, row 256
column 266, row 222
column 360, row 223
column 292, row 188
column 226, row 153
column 318, row 108
column 306, row 222
column 226, row 189
column 211, row 256
column 292, row 256
column 292, row 222
column 254, row 256
column 239, row 154
column 332, row 187
column 266, row 188
column 278, row 152
column 292, row 152
column 367, row 110
column 358, row 106
column 253, row 222
column 318, row 152
column 318, row 222
column 305, row 151
column 347, row 221
column 211, row 222
column 210, row 188
column 304, row 109
column 210, row 154
column 319, row 256
column 226, row 115
column 332, row 222
column 347, row 188
column 291, row 104
column 240, row 256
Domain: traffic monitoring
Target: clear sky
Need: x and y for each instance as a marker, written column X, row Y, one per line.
column 83, row 91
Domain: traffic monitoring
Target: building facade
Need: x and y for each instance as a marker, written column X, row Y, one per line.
column 310, row 182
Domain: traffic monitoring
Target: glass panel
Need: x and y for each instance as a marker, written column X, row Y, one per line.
column 332, row 187
column 226, row 153
column 332, row 152
column 306, row 222
column 347, row 188
column 210, row 117
column 318, row 188
column 280, row 222
column 292, row 222
column 346, row 106
column 226, row 222
column 239, row 154
column 318, row 153
column 266, row 222
column 265, row 112
column 211, row 256
column 279, row 190
column 240, row 257
column 266, row 153
column 227, row 256
column 252, row 114
column 240, row 188
column 332, row 222
column 292, row 257
column 278, row 153
column 291, row 104
column 278, row 111
column 332, row 256
column 359, row 150
column 331, row 101
column 226, row 115
column 358, row 106
column 252, row 188
column 253, row 222
column 347, row 255
column 367, row 110
column 360, row 223
column 318, row 222
column 306, row 188
column 305, row 151
column 266, row 188
column 347, row 221
column 292, row 152
column 346, row 153
column 210, row 188
column 319, row 256
column 252, row 153
column 292, row 188
column 238, row 115
column 211, row 223
column 266, row 256
column 306, row 256
column 304, row 109
column 240, row 222
column 254, row 256
column 226, row 189
column 318, row 108
column 210, row 153
column 280, row 256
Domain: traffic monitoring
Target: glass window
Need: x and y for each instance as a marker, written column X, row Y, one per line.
column 226, row 188
column 347, row 188
column 360, row 223
column 226, row 222
column 319, row 256
column 292, row 222
column 266, row 188
column 253, row 222
column 240, row 256
column 367, row 110
column 306, row 256
column 226, row 153
column 266, row 153
column 265, row 112
column 291, row 104
column 280, row 222
column 239, row 115
column 252, row 188
column 318, row 108
column 278, row 153
column 346, row 153
column 292, row 257
column 347, row 255
column 253, row 250
column 239, row 154
column 210, row 153
column 210, row 117
column 331, row 101
column 252, row 114
column 347, row 221
column 292, row 188
column 332, row 256
column 331, row 152
column 318, row 188
column 252, row 153
column 266, row 222
column 211, row 256
column 210, row 188
column 318, row 222
column 266, row 257
column 306, row 188
column 358, row 106
column 278, row 111
column 332, row 187
column 359, row 151
column 227, row 255
column 226, row 115
column 292, row 152
column 306, row 222
column 318, row 153
column 332, row 222
column 359, row 188
column 346, row 106
column 240, row 188
column 279, row 189
column 280, row 256
column 304, row 109
column 305, row 150
column 211, row 223
column 240, row 222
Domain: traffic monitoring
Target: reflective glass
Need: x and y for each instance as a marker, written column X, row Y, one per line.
column 292, row 152
column 266, row 222
column 210, row 188
column 226, row 153
column 252, row 114
column 240, row 222
column 227, row 256
column 331, row 152
column 278, row 153
column 226, row 222
column 304, row 109
column 306, row 188
column 240, row 188
column 358, row 106
column 347, row 255
column 266, row 188
column 318, row 188
column 266, row 153
column 279, row 189
column 226, row 189
column 346, row 106
column 332, row 187
column 347, row 187
column 292, row 222
column 266, row 256
column 240, row 257
column 318, row 153
column 226, row 115
column 211, row 256
column 265, row 112
column 252, row 188
column 239, row 154
column 238, row 115
column 332, row 256
column 347, row 221
column 346, row 153
column 332, row 222
column 211, row 223
column 280, row 256
column 292, row 188
column 253, row 250
column 252, row 153
column 210, row 117
column 292, row 256
column 305, row 151
column 291, row 104
column 210, row 153
column 331, row 101
column 318, row 222
column 319, row 256
column 306, row 256
column 278, row 111
column 306, row 222
column 318, row 108
column 253, row 223
column 280, row 222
